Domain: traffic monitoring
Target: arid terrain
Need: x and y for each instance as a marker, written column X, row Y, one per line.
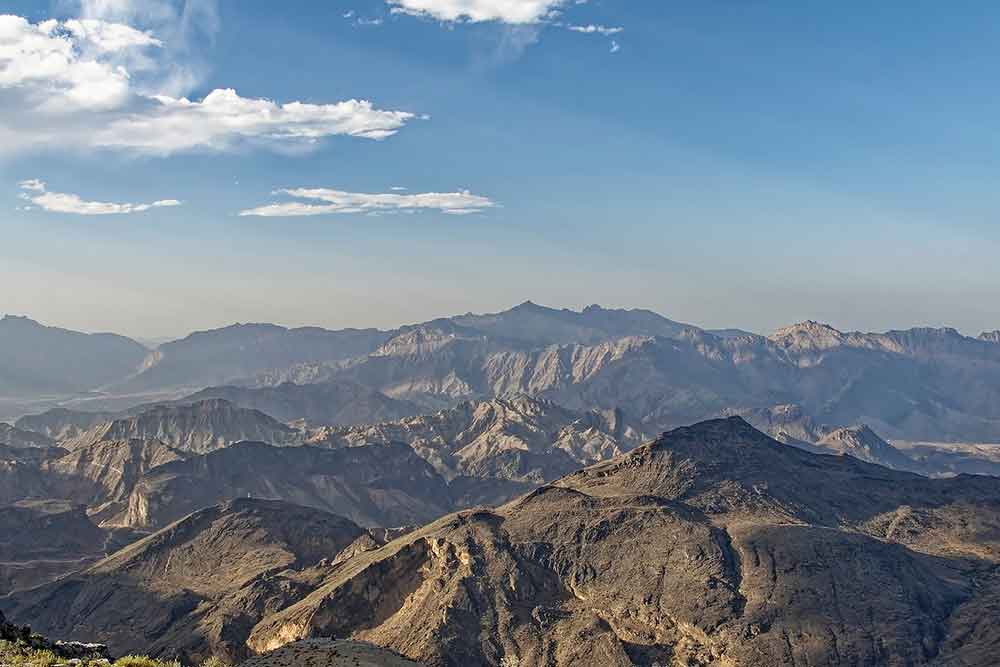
column 495, row 490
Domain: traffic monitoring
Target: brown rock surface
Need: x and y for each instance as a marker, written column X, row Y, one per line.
column 715, row 545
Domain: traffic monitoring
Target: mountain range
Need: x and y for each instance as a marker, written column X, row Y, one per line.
column 917, row 385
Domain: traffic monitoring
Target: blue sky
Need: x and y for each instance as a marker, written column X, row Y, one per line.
column 726, row 163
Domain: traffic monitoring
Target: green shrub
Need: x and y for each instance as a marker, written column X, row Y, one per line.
column 18, row 655
column 215, row 662
column 144, row 661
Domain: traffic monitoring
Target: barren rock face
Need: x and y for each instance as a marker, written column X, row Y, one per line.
column 715, row 545
column 197, row 428
column 519, row 438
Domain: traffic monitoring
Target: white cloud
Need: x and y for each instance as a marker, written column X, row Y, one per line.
column 615, row 46
column 337, row 201
column 223, row 119
column 506, row 11
column 90, row 82
column 54, row 66
column 37, row 193
column 592, row 29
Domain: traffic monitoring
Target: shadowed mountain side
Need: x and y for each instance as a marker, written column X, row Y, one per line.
column 36, row 359
column 41, row 540
column 374, row 486
column 715, row 545
column 194, row 588
column 208, row 358
column 13, row 436
column 332, row 403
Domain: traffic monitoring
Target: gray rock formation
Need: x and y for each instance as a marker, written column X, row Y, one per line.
column 196, row 428
column 520, row 438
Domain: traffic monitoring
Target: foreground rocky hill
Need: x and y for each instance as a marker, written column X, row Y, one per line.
column 330, row 653
column 195, row 588
column 714, row 545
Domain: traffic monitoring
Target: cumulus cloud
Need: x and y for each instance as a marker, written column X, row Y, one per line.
column 91, row 82
column 506, row 11
column 65, row 66
column 38, row 194
column 223, row 119
column 339, row 202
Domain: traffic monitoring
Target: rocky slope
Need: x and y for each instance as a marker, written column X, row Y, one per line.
column 41, row 540
column 195, row 588
column 196, row 427
column 12, row 436
column 864, row 444
column 103, row 474
column 62, row 424
column 332, row 403
column 519, row 438
column 374, row 486
column 714, row 545
column 37, row 360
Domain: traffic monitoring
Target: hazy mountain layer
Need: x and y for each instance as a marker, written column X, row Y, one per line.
column 917, row 384
column 217, row 357
column 333, row 403
column 35, row 359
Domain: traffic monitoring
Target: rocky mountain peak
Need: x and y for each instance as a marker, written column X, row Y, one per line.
column 990, row 336
column 808, row 335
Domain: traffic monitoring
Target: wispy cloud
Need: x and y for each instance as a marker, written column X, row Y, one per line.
column 92, row 82
column 475, row 11
column 592, row 29
column 340, row 202
column 37, row 193
column 615, row 47
column 223, row 119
